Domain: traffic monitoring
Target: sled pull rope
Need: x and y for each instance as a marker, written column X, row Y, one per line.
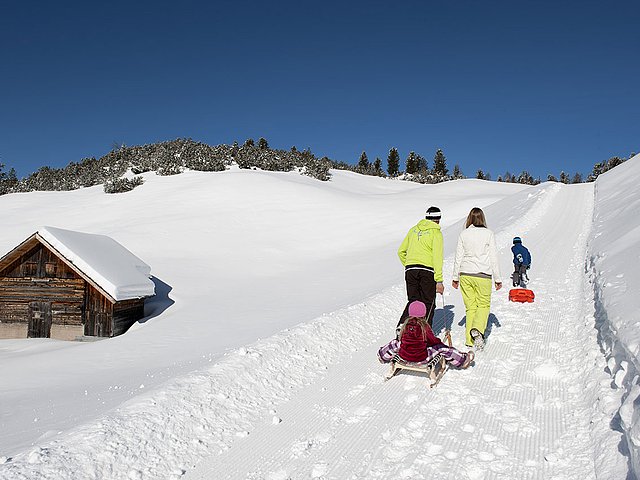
column 447, row 332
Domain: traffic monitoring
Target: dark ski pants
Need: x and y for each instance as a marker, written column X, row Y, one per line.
column 519, row 274
column 420, row 286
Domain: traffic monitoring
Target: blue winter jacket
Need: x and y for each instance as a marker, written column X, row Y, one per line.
column 521, row 255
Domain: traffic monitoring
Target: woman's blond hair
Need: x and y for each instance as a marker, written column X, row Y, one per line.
column 476, row 218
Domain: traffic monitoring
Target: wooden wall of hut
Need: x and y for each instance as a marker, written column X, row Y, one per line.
column 41, row 290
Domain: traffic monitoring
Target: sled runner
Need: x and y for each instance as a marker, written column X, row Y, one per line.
column 435, row 368
column 522, row 295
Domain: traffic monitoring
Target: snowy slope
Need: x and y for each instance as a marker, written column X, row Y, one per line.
column 614, row 254
column 308, row 400
column 236, row 256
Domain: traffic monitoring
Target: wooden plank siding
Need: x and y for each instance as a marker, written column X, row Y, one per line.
column 98, row 313
column 38, row 275
column 126, row 313
column 44, row 295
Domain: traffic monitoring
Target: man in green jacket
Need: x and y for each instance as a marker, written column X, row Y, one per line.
column 421, row 253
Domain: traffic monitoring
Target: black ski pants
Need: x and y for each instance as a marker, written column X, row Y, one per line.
column 421, row 285
column 519, row 274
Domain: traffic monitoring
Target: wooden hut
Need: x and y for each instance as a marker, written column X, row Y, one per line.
column 65, row 284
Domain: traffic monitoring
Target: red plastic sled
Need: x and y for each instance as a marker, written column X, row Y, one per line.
column 521, row 295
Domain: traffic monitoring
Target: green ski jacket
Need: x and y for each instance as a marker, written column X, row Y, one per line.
column 423, row 245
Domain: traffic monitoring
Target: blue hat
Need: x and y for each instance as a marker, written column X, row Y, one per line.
column 517, row 240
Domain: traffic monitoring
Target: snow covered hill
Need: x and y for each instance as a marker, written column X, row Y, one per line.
column 276, row 291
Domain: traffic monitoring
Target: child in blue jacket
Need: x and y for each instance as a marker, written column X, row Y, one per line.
column 521, row 262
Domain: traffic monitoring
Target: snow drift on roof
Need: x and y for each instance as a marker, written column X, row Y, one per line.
column 114, row 268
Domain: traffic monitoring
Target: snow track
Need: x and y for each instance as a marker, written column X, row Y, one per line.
column 311, row 402
column 521, row 412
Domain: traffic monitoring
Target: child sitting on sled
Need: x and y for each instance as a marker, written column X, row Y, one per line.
column 521, row 262
column 416, row 342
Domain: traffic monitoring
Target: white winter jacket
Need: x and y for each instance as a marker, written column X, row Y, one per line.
column 476, row 253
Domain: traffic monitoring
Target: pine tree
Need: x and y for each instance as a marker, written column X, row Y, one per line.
column 614, row 162
column 411, row 164
column 393, row 162
column 480, row 174
column 577, row 178
column 564, row 178
column 551, row 178
column 421, row 165
column 457, row 173
column 363, row 163
column 249, row 142
column 440, row 164
column 8, row 180
column 525, row 178
column 263, row 144
column 377, row 166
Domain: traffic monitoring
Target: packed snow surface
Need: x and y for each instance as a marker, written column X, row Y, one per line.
column 274, row 291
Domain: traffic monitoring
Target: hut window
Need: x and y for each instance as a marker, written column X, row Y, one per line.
column 50, row 269
column 30, row 269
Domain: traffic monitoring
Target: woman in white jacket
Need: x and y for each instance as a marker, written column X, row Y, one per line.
column 475, row 266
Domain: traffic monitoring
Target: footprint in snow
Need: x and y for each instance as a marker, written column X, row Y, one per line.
column 319, row 470
column 418, row 422
column 455, row 413
column 433, row 449
column 395, row 454
column 408, row 473
column 134, row 475
column 357, row 390
column 547, row 370
column 510, row 427
column 490, row 409
column 360, row 414
column 403, row 441
column 500, row 451
column 279, row 475
column 500, row 382
column 409, row 399
column 475, row 472
column 486, row 456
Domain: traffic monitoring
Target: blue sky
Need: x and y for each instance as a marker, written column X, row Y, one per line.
column 503, row 86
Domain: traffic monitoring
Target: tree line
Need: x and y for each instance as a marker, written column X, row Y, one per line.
column 120, row 169
column 417, row 170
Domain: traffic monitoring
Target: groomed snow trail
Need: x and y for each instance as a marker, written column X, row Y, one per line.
column 520, row 412
column 310, row 401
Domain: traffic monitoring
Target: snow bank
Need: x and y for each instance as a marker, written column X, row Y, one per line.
column 613, row 265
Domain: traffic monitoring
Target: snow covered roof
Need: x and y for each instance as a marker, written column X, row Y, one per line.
column 101, row 260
